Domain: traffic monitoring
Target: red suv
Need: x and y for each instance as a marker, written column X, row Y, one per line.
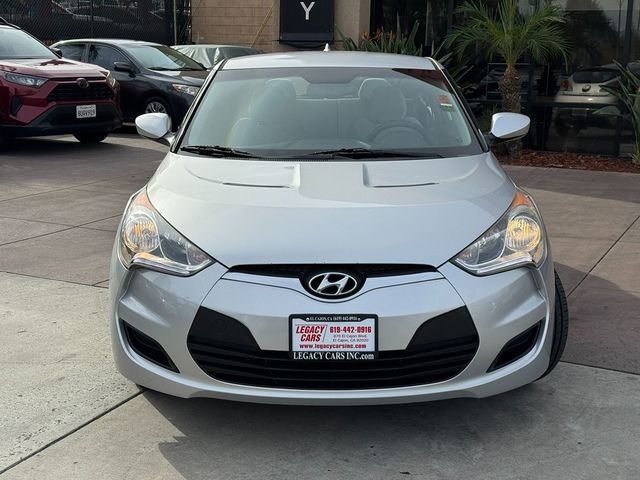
column 42, row 94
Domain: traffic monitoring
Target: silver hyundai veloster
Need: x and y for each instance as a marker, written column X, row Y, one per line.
column 332, row 228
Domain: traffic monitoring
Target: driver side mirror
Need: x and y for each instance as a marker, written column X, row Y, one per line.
column 57, row 51
column 508, row 126
column 155, row 126
column 124, row 67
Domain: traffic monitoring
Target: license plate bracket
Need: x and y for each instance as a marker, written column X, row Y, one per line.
column 333, row 337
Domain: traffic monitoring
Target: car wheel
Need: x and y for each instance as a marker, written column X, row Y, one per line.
column 156, row 105
column 91, row 137
column 560, row 326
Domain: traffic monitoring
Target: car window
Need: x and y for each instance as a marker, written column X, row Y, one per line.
column 105, row 56
column 595, row 75
column 290, row 111
column 159, row 57
column 18, row 44
column 72, row 52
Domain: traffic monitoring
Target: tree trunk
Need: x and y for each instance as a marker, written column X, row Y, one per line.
column 509, row 87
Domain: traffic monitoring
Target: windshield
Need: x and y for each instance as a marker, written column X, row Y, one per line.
column 18, row 44
column 595, row 75
column 159, row 57
column 296, row 111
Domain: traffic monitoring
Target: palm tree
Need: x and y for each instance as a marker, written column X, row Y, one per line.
column 510, row 34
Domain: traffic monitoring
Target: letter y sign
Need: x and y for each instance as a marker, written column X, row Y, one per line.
column 307, row 9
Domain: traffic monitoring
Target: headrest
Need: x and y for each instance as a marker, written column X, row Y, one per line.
column 386, row 104
column 369, row 85
column 271, row 105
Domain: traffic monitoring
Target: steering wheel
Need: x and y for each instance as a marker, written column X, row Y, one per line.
column 397, row 124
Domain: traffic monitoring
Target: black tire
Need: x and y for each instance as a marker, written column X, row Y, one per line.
column 560, row 326
column 91, row 137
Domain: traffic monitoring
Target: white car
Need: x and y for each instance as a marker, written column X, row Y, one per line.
column 332, row 228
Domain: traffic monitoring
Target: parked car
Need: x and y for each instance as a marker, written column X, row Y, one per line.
column 42, row 94
column 152, row 77
column 296, row 247
column 582, row 94
column 209, row 55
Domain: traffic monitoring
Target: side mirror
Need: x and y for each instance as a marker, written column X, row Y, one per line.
column 508, row 126
column 124, row 67
column 155, row 126
column 57, row 51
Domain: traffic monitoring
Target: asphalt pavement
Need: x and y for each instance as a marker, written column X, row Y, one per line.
column 65, row 413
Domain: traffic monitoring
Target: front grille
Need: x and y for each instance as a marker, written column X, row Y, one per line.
column 226, row 350
column 71, row 91
column 367, row 270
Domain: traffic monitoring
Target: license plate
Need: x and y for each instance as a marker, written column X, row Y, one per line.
column 85, row 111
column 333, row 337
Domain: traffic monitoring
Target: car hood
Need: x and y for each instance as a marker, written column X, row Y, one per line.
column 52, row 68
column 260, row 212
column 191, row 77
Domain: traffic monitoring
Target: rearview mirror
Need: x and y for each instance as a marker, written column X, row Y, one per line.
column 507, row 126
column 123, row 67
column 155, row 126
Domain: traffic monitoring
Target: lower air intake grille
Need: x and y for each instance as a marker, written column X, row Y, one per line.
column 147, row 347
column 440, row 349
column 517, row 347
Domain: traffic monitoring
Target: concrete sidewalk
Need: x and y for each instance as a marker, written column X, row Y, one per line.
column 66, row 413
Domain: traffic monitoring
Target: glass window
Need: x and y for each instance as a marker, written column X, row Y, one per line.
column 568, row 97
column 72, row 52
column 18, row 44
column 105, row 56
column 158, row 57
column 295, row 111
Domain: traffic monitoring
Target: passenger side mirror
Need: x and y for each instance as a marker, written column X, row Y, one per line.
column 507, row 126
column 124, row 67
column 155, row 126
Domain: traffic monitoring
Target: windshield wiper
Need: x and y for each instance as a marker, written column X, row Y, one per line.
column 217, row 151
column 367, row 153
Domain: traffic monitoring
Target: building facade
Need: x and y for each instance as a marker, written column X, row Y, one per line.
column 562, row 99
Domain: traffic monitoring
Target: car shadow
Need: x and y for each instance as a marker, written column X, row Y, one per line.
column 225, row 438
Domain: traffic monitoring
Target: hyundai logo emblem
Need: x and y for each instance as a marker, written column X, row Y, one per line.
column 82, row 83
column 333, row 284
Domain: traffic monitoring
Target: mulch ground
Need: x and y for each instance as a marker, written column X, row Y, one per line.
column 532, row 158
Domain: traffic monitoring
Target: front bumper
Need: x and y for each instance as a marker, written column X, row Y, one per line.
column 163, row 307
column 61, row 120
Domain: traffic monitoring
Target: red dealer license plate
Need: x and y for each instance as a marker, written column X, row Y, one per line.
column 333, row 337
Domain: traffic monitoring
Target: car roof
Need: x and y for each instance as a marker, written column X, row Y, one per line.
column 329, row 59
column 110, row 41
column 211, row 45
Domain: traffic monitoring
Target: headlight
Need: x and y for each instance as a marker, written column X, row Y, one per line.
column 147, row 240
column 24, row 80
column 188, row 89
column 111, row 80
column 516, row 240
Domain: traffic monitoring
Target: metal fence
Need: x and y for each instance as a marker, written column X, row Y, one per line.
column 162, row 21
